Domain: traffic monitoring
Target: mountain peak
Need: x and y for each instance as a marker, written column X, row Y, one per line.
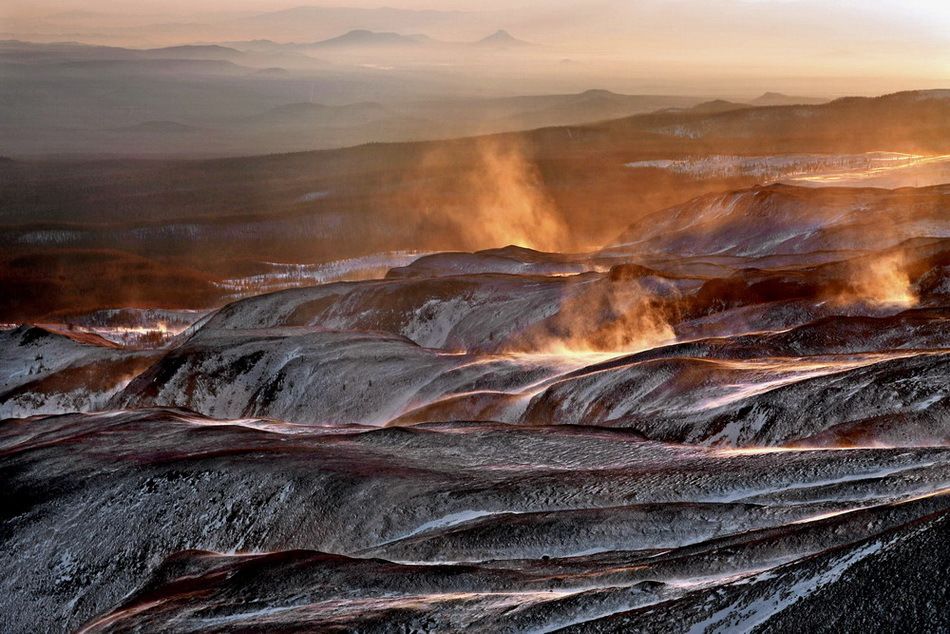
column 598, row 92
column 501, row 38
column 781, row 99
column 365, row 37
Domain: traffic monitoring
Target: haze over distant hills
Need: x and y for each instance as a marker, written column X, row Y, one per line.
column 502, row 39
column 367, row 38
column 778, row 99
column 626, row 47
column 300, row 78
column 261, row 96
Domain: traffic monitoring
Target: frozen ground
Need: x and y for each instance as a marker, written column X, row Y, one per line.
column 871, row 169
column 734, row 418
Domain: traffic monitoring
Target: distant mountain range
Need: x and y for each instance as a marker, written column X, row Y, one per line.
column 502, row 39
column 779, row 99
column 214, row 99
column 265, row 54
column 766, row 99
column 365, row 38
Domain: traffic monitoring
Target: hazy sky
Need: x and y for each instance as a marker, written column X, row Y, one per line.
column 897, row 43
column 926, row 10
column 806, row 19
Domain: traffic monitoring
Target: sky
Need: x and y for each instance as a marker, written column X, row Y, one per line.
column 929, row 19
column 926, row 10
column 873, row 40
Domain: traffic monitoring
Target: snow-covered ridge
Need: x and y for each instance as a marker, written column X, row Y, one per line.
column 783, row 166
